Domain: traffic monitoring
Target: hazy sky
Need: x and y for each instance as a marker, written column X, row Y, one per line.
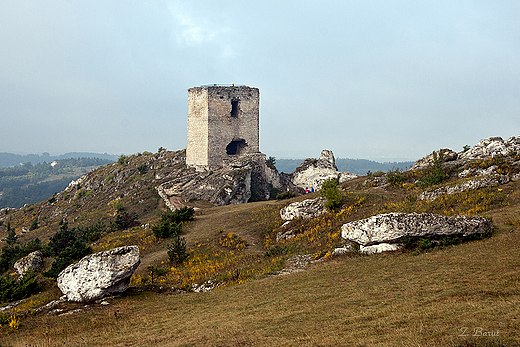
column 378, row 80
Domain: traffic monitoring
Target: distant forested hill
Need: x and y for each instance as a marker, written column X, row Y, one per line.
column 28, row 183
column 355, row 166
column 10, row 159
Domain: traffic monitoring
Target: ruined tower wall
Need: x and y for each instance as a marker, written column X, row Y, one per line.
column 223, row 123
column 197, row 144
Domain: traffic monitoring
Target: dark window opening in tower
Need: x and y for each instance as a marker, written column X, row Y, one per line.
column 236, row 147
column 234, row 108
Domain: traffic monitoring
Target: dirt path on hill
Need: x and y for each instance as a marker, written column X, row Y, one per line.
column 211, row 223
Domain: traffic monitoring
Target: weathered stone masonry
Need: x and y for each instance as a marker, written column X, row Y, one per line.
column 223, row 123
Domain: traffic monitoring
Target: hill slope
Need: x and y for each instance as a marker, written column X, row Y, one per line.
column 420, row 296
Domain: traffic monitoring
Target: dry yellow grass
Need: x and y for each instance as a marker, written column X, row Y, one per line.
column 388, row 300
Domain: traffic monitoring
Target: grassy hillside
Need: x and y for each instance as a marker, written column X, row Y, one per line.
column 457, row 295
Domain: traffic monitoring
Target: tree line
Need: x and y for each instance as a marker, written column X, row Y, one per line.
column 23, row 184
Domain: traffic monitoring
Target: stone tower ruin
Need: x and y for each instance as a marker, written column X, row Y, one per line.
column 223, row 124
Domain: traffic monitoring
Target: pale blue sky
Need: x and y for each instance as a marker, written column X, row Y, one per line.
column 366, row 79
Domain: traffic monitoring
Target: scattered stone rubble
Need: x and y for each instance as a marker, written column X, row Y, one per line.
column 296, row 263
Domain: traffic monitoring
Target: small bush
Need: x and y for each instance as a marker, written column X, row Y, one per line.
column 277, row 250
column 122, row 159
column 66, row 257
column 142, row 169
column 154, row 272
column 177, row 249
column 395, row 178
column 171, row 222
column 34, row 224
column 93, row 232
column 436, row 173
column 286, row 195
column 125, row 220
column 165, row 229
column 330, row 191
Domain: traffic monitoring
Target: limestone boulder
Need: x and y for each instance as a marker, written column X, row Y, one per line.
column 30, row 262
column 100, row 274
column 306, row 209
column 394, row 227
column 311, row 173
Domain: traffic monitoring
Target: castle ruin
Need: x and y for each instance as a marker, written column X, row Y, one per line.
column 223, row 124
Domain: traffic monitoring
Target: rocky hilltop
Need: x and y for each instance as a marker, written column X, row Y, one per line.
column 486, row 148
column 143, row 179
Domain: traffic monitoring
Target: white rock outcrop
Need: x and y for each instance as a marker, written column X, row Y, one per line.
column 491, row 147
column 306, row 209
column 30, row 262
column 468, row 185
column 486, row 148
column 393, row 227
column 445, row 153
column 97, row 275
column 311, row 173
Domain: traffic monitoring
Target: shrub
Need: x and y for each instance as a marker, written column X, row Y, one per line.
column 165, row 229
column 171, row 222
column 177, row 249
column 436, row 173
column 277, row 250
column 125, row 220
column 12, row 289
column 142, row 169
column 61, row 240
column 395, row 178
column 330, row 191
column 93, row 232
column 286, row 195
column 154, row 272
column 122, row 159
column 34, row 224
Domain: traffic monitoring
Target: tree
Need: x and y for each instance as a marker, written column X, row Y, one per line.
column 11, row 235
column 330, row 191
column 177, row 249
